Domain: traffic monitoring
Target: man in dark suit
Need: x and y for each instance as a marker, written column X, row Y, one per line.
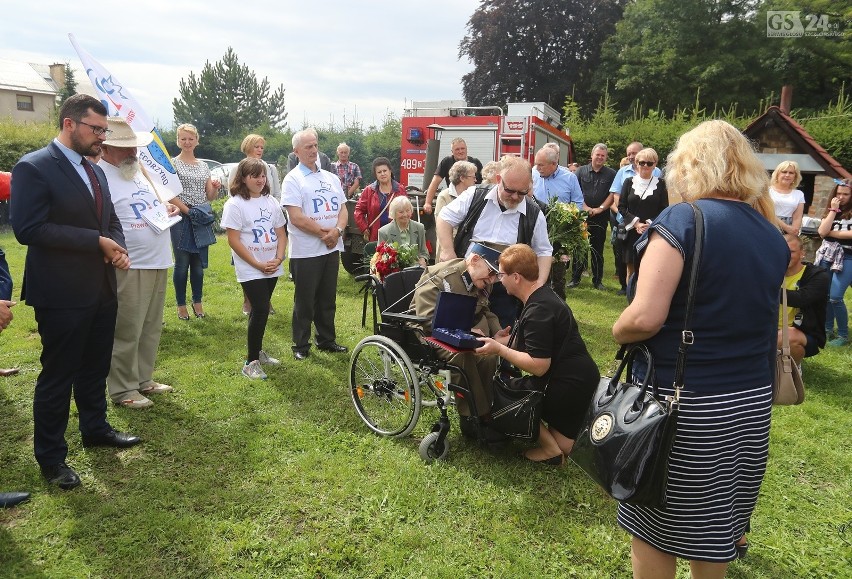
column 61, row 209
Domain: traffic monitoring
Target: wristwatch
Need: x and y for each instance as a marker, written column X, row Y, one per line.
column 340, row 231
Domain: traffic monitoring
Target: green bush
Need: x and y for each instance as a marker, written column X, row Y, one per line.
column 16, row 140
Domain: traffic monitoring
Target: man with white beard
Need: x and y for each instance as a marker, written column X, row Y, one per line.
column 142, row 288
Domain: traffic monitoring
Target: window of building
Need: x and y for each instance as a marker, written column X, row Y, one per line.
column 25, row 103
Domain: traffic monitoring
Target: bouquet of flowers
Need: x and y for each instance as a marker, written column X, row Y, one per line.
column 567, row 229
column 391, row 257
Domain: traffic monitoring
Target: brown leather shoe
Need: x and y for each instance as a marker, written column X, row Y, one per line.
column 9, row 371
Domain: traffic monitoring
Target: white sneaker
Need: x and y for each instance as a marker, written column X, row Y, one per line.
column 254, row 371
column 265, row 358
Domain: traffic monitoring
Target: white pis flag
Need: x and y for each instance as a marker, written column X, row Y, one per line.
column 119, row 103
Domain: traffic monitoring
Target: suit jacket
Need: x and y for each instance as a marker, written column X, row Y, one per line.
column 53, row 214
column 416, row 232
column 447, row 276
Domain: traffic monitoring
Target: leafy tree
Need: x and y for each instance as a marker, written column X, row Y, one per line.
column 665, row 52
column 70, row 87
column 528, row 50
column 227, row 99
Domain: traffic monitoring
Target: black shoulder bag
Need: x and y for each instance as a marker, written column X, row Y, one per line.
column 516, row 408
column 629, row 428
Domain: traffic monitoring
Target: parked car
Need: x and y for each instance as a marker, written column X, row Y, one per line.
column 211, row 164
column 221, row 172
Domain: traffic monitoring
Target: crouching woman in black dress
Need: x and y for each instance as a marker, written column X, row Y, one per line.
column 547, row 345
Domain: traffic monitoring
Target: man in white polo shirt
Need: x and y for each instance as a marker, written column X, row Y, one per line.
column 316, row 207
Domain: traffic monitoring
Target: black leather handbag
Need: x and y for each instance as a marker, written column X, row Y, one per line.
column 516, row 408
column 629, row 428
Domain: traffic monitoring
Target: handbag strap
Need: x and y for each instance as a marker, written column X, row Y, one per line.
column 785, row 338
column 686, row 337
column 552, row 359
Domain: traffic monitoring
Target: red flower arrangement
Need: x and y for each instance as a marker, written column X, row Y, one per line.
column 391, row 257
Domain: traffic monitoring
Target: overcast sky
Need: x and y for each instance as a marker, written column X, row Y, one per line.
column 335, row 58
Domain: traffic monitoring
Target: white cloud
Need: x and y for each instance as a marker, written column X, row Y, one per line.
column 334, row 57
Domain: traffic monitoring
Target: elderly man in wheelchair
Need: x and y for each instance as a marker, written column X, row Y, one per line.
column 390, row 371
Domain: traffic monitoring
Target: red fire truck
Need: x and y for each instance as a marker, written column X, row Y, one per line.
column 489, row 133
column 428, row 129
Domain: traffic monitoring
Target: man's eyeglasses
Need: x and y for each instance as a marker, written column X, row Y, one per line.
column 514, row 191
column 97, row 130
column 646, row 163
column 500, row 275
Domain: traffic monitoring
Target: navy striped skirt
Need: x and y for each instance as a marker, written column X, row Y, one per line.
column 716, row 468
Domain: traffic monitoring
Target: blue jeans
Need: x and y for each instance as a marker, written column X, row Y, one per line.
column 191, row 263
column 836, row 308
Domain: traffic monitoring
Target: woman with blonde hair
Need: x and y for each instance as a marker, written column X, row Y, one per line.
column 719, row 454
column 198, row 190
column 789, row 201
column 642, row 199
column 253, row 145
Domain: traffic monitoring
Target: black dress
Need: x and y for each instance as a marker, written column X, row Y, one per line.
column 547, row 329
column 646, row 203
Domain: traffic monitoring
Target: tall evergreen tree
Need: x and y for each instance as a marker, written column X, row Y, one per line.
column 70, row 86
column 227, row 99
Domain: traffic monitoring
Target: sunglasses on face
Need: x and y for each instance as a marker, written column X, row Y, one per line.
column 514, row 191
column 646, row 163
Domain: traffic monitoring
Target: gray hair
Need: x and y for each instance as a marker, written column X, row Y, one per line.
column 489, row 171
column 551, row 154
column 398, row 203
column 600, row 146
column 297, row 138
column 460, row 170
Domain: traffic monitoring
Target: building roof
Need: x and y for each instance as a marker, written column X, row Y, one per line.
column 22, row 76
column 774, row 116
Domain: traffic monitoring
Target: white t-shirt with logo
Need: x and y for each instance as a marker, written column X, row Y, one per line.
column 321, row 198
column 256, row 219
column 146, row 249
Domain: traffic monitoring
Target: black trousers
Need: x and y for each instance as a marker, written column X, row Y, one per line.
column 75, row 357
column 597, row 238
column 259, row 293
column 315, row 299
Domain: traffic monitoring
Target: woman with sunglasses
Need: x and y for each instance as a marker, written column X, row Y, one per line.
column 642, row 199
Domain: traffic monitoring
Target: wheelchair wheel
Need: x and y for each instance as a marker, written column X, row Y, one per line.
column 429, row 450
column 383, row 386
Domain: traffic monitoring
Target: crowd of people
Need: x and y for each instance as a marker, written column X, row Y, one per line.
column 96, row 275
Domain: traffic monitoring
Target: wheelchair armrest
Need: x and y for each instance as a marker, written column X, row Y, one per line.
column 393, row 317
column 367, row 277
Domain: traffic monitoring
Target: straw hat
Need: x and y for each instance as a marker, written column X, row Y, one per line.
column 124, row 136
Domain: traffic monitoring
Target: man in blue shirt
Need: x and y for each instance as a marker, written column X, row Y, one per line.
column 551, row 180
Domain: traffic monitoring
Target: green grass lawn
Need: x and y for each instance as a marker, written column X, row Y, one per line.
column 279, row 478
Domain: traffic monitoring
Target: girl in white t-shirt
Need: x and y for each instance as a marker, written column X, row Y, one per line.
column 789, row 201
column 257, row 234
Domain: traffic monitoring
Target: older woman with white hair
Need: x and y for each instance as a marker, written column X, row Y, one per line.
column 462, row 177
column 403, row 230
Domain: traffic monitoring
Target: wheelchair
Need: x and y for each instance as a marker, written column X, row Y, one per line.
column 395, row 373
